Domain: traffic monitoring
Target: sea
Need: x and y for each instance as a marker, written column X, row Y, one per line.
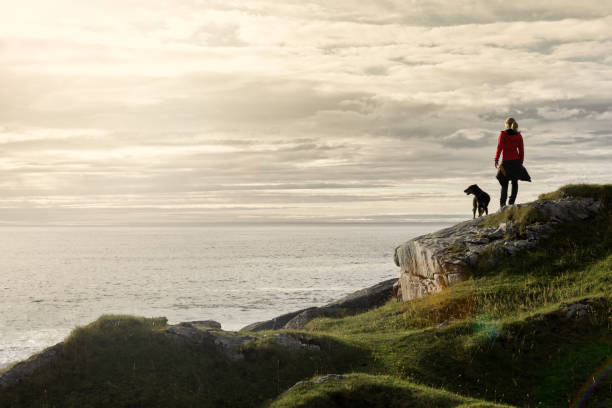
column 53, row 279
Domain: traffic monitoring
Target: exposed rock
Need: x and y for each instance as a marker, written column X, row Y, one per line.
column 360, row 300
column 287, row 340
column 328, row 377
column 584, row 314
column 294, row 386
column 21, row 370
column 426, row 265
column 307, row 315
column 432, row 262
column 209, row 324
column 577, row 311
column 272, row 324
column 367, row 298
column 231, row 346
column 397, row 291
column 446, row 323
column 319, row 380
column 183, row 332
column 186, row 333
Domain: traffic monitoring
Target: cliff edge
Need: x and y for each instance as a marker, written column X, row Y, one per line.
column 432, row 262
column 526, row 331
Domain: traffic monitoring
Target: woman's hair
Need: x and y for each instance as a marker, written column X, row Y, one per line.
column 511, row 124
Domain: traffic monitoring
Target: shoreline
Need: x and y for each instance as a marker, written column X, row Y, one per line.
column 357, row 259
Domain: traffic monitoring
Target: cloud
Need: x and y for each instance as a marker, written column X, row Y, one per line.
column 469, row 138
column 326, row 110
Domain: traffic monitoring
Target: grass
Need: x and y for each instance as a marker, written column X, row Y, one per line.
column 362, row 390
column 520, row 217
column 456, row 249
column 523, row 216
column 505, row 341
column 575, row 262
column 600, row 192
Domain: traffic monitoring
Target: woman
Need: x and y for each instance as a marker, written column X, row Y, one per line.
column 510, row 147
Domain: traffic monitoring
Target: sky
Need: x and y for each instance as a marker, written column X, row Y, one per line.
column 187, row 112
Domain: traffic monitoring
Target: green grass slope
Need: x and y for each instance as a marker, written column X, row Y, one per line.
column 501, row 337
column 368, row 391
column 127, row 361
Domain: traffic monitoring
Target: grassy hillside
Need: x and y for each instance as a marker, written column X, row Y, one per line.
column 502, row 337
column 368, row 391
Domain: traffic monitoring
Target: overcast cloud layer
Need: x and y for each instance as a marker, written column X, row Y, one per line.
column 139, row 111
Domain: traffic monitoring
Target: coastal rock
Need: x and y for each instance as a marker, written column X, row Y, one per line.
column 360, row 300
column 206, row 324
column 367, row 298
column 583, row 314
column 21, row 370
column 432, row 262
column 328, row 377
column 287, row 340
column 231, row 346
column 577, row 311
column 186, row 333
column 396, row 292
column 318, row 380
column 272, row 324
column 299, row 321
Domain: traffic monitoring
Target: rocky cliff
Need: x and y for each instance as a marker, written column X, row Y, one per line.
column 355, row 302
column 526, row 333
column 432, row 262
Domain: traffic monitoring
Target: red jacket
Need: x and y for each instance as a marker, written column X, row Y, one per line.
column 510, row 143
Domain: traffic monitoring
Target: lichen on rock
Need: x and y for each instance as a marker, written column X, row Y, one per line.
column 432, row 262
column 360, row 300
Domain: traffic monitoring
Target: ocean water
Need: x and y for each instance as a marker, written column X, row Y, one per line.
column 53, row 279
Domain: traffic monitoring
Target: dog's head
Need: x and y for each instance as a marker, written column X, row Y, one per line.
column 471, row 189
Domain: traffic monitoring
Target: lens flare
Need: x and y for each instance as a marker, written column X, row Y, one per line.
column 587, row 389
column 486, row 327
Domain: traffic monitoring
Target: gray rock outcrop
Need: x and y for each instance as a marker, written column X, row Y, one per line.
column 432, row 262
column 209, row 324
column 299, row 321
column 26, row 368
column 275, row 323
column 328, row 377
column 193, row 334
column 231, row 345
column 577, row 311
column 287, row 340
column 360, row 300
column 318, row 380
column 228, row 343
column 581, row 310
column 186, row 333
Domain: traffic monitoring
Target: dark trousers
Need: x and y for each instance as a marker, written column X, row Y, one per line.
column 504, row 191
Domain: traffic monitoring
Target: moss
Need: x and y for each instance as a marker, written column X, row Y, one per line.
column 502, row 326
column 519, row 217
column 602, row 192
column 361, row 390
column 489, row 254
column 110, row 325
column 127, row 361
column 456, row 249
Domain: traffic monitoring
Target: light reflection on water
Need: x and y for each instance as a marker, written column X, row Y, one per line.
column 53, row 279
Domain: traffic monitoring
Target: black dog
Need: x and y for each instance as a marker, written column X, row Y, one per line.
column 481, row 200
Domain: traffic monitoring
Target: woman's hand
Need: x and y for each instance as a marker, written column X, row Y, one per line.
column 496, row 163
